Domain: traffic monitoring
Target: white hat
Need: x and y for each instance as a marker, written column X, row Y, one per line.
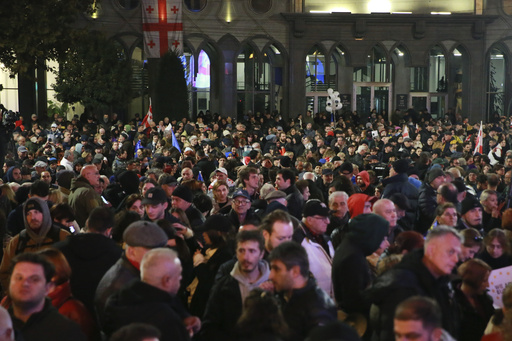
column 222, row 170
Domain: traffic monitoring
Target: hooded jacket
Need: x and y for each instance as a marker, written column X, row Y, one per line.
column 83, row 199
column 351, row 274
column 47, row 235
column 225, row 304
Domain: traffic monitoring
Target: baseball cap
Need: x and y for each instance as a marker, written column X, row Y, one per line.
column 54, row 125
column 222, row 170
column 241, row 193
column 145, row 234
column 315, row 207
column 22, row 149
column 154, row 195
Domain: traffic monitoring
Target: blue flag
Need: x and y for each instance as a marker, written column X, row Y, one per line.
column 174, row 140
column 200, row 177
column 138, row 146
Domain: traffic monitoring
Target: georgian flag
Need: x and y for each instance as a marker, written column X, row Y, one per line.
column 148, row 119
column 406, row 132
column 162, row 27
column 479, row 148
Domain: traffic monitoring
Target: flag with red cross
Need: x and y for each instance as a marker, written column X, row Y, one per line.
column 162, row 27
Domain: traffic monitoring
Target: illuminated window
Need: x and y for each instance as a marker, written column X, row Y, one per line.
column 496, row 83
column 315, row 71
column 437, row 70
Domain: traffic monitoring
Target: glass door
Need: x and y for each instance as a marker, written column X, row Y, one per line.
column 367, row 96
column 315, row 101
column 435, row 103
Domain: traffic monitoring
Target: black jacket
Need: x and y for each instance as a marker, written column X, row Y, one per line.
column 472, row 323
column 400, row 184
column 408, row 278
column 307, row 308
column 295, row 201
column 120, row 274
column 89, row 255
column 48, row 324
column 143, row 303
column 205, row 273
column 223, row 310
column 427, row 205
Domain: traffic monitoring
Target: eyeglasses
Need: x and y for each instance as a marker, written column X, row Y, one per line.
column 320, row 218
column 241, row 202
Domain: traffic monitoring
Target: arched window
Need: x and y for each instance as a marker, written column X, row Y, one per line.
column 200, row 83
column 337, row 63
column 139, row 83
column 496, row 83
column 459, row 72
column 437, row 70
column 315, row 71
column 376, row 69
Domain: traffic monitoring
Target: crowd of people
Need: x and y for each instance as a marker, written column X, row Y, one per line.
column 314, row 228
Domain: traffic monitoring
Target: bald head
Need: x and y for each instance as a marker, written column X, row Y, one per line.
column 309, row 176
column 161, row 268
column 387, row 210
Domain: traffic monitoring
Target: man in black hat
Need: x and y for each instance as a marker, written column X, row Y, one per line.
column 312, row 236
column 155, row 204
column 470, row 214
column 182, row 198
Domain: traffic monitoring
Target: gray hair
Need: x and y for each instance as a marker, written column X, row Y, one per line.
column 441, row 231
column 337, row 194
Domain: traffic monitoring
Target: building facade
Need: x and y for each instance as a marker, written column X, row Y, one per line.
column 282, row 55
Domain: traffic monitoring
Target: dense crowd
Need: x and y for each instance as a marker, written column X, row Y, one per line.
column 259, row 228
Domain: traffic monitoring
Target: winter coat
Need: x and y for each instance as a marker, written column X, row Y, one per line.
column 409, row 278
column 47, row 324
column 120, row 274
column 295, row 201
column 143, row 303
column 225, row 304
column 472, row 323
column 74, row 310
column 319, row 256
column 427, row 205
column 90, row 256
column 306, row 309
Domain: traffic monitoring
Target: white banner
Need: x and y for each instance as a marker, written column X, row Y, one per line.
column 498, row 280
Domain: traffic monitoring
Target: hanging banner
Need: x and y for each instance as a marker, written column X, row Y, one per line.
column 162, row 27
